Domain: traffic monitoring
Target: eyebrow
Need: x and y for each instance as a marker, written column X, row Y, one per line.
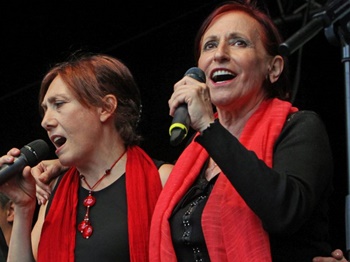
column 231, row 35
column 53, row 98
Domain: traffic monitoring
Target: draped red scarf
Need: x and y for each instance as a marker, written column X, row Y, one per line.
column 143, row 187
column 231, row 230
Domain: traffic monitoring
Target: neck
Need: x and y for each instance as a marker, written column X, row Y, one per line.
column 106, row 173
column 212, row 170
column 101, row 158
column 235, row 120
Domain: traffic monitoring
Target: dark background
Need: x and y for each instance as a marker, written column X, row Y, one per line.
column 156, row 42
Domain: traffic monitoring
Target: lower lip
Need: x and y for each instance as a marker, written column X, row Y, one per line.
column 222, row 82
column 58, row 150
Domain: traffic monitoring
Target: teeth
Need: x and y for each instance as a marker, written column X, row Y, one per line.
column 221, row 72
column 222, row 75
column 56, row 139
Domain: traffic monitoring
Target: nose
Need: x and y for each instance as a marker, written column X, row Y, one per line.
column 222, row 53
column 48, row 120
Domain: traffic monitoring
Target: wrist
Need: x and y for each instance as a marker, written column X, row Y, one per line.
column 207, row 126
column 26, row 210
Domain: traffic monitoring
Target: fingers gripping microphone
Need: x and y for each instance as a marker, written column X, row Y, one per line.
column 31, row 155
column 181, row 120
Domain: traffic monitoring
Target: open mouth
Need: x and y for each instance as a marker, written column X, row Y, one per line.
column 59, row 141
column 222, row 75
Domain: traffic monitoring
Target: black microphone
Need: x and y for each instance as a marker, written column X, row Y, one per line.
column 181, row 120
column 31, row 155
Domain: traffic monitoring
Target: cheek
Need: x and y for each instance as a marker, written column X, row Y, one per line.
column 87, row 123
column 204, row 61
column 254, row 65
column 85, row 117
column 253, row 73
column 78, row 125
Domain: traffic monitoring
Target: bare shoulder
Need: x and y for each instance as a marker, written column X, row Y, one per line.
column 164, row 172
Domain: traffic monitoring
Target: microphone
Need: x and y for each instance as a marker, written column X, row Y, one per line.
column 181, row 121
column 31, row 155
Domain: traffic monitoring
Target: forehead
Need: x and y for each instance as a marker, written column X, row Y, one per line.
column 235, row 21
column 57, row 85
column 56, row 89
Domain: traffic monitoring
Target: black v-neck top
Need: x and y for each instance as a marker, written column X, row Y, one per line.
column 291, row 199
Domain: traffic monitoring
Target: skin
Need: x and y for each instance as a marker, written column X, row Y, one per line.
column 337, row 256
column 6, row 220
column 46, row 170
column 66, row 117
column 21, row 191
column 231, row 43
column 59, row 106
column 90, row 151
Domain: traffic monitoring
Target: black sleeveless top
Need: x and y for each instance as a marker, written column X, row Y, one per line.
column 108, row 217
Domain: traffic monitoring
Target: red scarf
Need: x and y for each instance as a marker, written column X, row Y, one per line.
column 231, row 230
column 143, row 187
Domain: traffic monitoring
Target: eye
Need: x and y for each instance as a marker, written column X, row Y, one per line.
column 238, row 42
column 58, row 104
column 210, row 45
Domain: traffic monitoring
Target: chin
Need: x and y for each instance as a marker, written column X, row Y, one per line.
column 65, row 160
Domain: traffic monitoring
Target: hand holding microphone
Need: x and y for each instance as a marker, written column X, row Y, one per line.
column 181, row 120
column 22, row 191
column 30, row 155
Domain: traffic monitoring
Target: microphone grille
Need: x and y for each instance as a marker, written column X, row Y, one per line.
column 196, row 73
column 35, row 151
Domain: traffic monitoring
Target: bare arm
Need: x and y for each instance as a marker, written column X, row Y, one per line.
column 20, row 190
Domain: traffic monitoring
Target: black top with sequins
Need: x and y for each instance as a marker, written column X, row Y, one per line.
column 291, row 199
column 186, row 233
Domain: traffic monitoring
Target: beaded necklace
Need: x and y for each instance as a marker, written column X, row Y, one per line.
column 85, row 226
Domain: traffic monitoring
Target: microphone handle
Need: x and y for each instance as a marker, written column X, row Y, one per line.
column 178, row 130
column 7, row 171
column 181, row 120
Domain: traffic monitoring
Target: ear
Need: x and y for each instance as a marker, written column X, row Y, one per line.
column 10, row 212
column 108, row 108
column 275, row 68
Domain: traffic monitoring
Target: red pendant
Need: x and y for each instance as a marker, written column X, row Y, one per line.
column 83, row 225
column 89, row 201
column 87, row 232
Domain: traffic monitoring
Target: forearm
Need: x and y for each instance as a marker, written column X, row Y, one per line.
column 283, row 196
column 20, row 248
column 250, row 176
